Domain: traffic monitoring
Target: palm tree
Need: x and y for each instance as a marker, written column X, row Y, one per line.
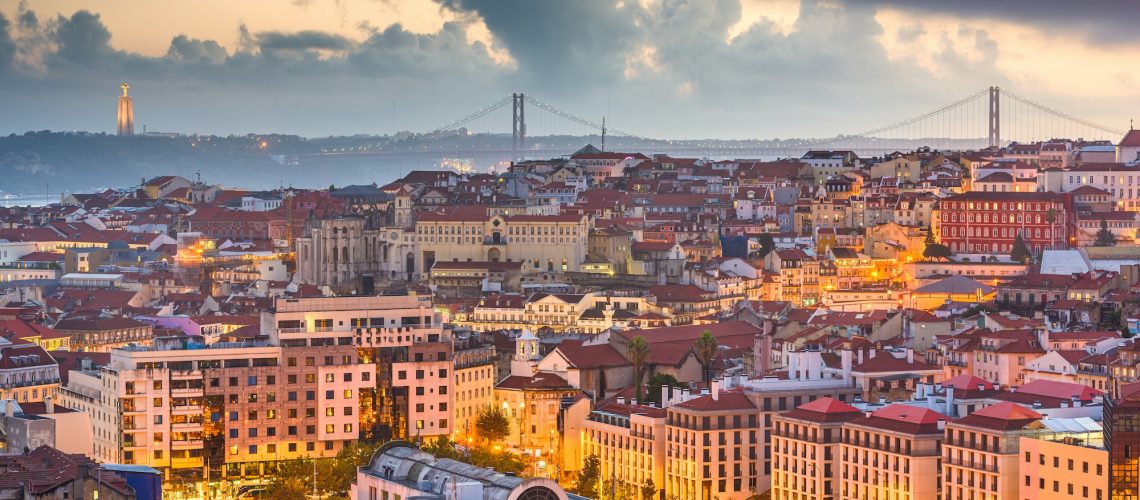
column 705, row 348
column 638, row 353
column 1051, row 218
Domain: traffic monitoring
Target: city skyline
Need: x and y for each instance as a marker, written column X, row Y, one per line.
column 325, row 68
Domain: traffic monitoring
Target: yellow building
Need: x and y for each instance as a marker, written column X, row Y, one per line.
column 629, row 441
column 544, row 243
column 892, row 454
column 1065, row 460
column 712, row 447
column 981, row 452
column 474, row 389
column 806, row 443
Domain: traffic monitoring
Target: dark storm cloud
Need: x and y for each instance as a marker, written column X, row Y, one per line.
column 561, row 43
column 301, row 40
column 192, row 50
column 83, row 39
column 1106, row 21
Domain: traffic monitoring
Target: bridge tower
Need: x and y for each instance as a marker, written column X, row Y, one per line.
column 518, row 123
column 995, row 117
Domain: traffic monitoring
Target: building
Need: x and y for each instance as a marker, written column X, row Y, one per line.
column 474, row 388
column 713, row 448
column 102, row 335
column 981, row 452
column 806, row 445
column 224, row 411
column 1122, row 439
column 893, row 453
column 1065, row 459
column 27, row 373
column 125, row 120
column 629, row 440
column 400, row 335
column 987, row 223
column 399, row 470
column 46, row 472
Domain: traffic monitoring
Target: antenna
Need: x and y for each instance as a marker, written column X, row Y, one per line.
column 603, row 134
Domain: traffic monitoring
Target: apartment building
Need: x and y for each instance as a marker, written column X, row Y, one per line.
column 27, row 372
column 104, row 334
column 892, row 454
column 224, row 411
column 629, row 440
column 474, row 388
column 806, row 446
column 712, row 447
column 544, row 243
column 981, row 452
column 1065, row 459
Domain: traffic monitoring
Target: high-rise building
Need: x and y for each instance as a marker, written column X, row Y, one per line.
column 1122, row 439
column 126, row 118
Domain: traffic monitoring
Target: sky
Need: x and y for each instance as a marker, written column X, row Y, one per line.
column 659, row 68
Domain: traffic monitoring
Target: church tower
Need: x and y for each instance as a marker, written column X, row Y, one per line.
column 126, row 118
column 525, row 361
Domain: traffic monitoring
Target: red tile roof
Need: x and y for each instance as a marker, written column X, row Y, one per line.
column 1004, row 416
column 591, row 356
column 825, row 410
column 725, row 401
column 1059, row 390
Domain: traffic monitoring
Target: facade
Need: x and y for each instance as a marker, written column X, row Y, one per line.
column 102, row 335
column 629, row 440
column 988, row 223
column 981, row 452
column 893, row 453
column 806, row 447
column 474, row 388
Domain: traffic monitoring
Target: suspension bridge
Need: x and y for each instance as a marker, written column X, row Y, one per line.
column 519, row 126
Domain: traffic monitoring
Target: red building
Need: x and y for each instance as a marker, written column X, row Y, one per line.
column 988, row 222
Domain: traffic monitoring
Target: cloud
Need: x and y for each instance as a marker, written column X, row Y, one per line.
column 301, row 41
column 7, row 46
column 1102, row 22
column 192, row 50
column 83, row 39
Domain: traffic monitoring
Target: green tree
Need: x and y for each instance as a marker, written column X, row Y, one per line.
column 492, row 424
column 1104, row 237
column 638, row 353
column 767, row 244
column 648, row 490
column 589, row 477
column 656, row 382
column 442, row 447
column 292, row 480
column 705, row 349
column 1020, row 252
column 930, row 240
column 1051, row 218
column 335, row 475
column 937, row 251
column 501, row 461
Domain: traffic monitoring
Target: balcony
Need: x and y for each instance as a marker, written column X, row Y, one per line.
column 186, row 445
column 186, row 391
column 186, row 410
column 186, row 426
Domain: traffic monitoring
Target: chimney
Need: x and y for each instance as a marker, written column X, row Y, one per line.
column 1076, row 401
column 950, row 408
column 10, row 408
column 620, row 400
column 920, row 391
column 1037, row 404
column 859, row 357
column 49, row 404
column 845, row 363
column 981, row 387
column 909, row 355
column 715, row 390
column 871, row 352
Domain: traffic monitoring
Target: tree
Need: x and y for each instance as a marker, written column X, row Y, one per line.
column 292, row 480
column 589, row 477
column 335, row 475
column 1020, row 252
column 1104, row 237
column 937, row 251
column 638, row 353
column 442, row 447
column 767, row 244
column 705, row 349
column 648, row 490
column 656, row 382
column 492, row 424
column 1051, row 218
column 930, row 240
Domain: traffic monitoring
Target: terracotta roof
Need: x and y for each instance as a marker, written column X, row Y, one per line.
column 904, row 418
column 885, row 362
column 1131, row 139
column 540, row 381
column 591, row 356
column 1059, row 390
column 725, row 401
column 1004, row 416
column 825, row 410
column 967, row 382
